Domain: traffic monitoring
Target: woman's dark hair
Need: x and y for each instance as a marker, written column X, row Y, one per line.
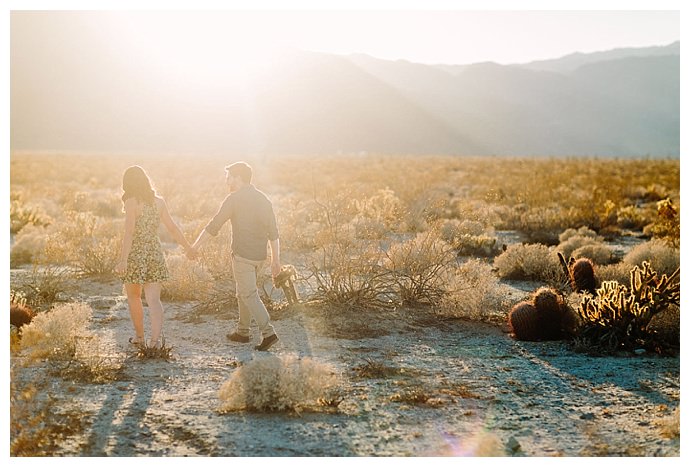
column 136, row 184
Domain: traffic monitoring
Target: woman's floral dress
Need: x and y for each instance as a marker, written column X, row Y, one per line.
column 146, row 262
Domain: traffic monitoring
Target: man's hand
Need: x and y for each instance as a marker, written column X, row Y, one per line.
column 192, row 253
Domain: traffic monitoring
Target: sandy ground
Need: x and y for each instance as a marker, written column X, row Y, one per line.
column 490, row 394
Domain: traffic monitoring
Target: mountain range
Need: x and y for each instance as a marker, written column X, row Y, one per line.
column 618, row 103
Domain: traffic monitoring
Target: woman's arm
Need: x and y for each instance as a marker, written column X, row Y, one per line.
column 130, row 220
column 170, row 224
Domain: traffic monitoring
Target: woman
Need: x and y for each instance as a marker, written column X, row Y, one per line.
column 142, row 264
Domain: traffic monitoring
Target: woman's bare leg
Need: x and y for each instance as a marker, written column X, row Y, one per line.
column 153, row 299
column 136, row 309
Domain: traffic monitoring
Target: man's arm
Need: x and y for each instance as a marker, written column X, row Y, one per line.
column 275, row 257
column 212, row 228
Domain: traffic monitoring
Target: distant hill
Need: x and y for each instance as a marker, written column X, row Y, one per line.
column 624, row 102
column 571, row 62
column 624, row 106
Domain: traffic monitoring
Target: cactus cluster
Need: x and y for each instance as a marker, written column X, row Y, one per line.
column 20, row 315
column 545, row 317
column 618, row 317
column 580, row 274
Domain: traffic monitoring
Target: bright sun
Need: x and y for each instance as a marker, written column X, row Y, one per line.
column 193, row 48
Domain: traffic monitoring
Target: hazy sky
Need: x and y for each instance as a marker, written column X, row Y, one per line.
column 425, row 32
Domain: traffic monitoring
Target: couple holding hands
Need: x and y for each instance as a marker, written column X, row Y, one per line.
column 142, row 264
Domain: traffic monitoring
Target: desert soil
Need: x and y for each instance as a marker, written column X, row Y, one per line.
column 489, row 394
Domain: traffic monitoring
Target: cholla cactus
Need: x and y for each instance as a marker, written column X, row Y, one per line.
column 618, row 317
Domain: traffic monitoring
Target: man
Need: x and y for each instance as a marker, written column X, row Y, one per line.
column 253, row 225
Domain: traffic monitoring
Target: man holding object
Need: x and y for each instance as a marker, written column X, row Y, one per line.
column 253, row 226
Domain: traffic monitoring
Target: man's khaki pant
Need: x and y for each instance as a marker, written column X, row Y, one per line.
column 250, row 305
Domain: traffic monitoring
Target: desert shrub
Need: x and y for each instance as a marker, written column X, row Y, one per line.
column 664, row 258
column 350, row 274
column 54, row 334
column 278, row 384
column 619, row 272
column 419, row 268
column 666, row 226
column 631, row 217
column 468, row 238
column 468, row 227
column 189, row 280
column 583, row 231
column 541, row 224
column 45, row 285
column 573, row 242
column 598, row 253
column 101, row 203
column 529, row 262
column 473, row 293
column 618, row 317
column 29, row 245
column 22, row 215
column 87, row 243
column 378, row 214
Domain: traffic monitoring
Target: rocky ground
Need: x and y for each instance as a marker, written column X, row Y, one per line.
column 481, row 391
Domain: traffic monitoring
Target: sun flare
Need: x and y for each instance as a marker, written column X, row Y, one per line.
column 186, row 49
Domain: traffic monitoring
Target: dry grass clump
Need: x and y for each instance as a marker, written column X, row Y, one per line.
column 54, row 334
column 279, row 384
column 375, row 369
column 412, row 396
column 664, row 258
column 529, row 262
column 92, row 362
column 163, row 352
